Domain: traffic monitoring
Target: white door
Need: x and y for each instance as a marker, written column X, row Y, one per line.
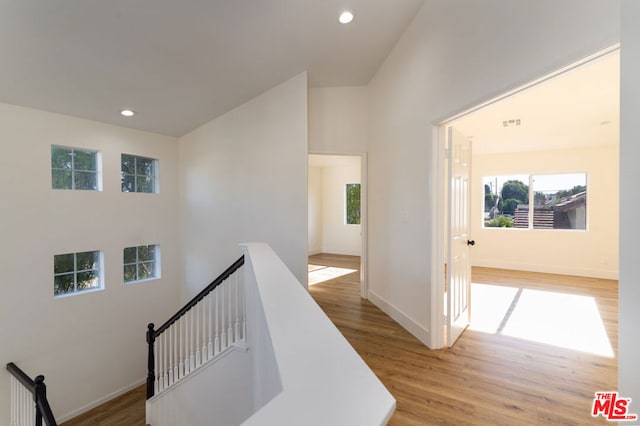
column 459, row 241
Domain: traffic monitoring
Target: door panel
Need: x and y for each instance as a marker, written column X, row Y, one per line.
column 459, row 275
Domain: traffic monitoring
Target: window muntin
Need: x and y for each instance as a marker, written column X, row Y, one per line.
column 73, row 168
column 546, row 201
column 141, row 263
column 139, row 174
column 76, row 272
column 352, row 204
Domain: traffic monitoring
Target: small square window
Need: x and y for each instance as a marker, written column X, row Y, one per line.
column 352, row 197
column 76, row 272
column 139, row 174
column 73, row 168
column 141, row 263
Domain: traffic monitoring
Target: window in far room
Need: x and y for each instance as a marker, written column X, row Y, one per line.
column 139, row 174
column 544, row 201
column 352, row 197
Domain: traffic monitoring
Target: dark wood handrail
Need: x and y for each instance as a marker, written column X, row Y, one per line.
column 153, row 334
column 208, row 289
column 39, row 391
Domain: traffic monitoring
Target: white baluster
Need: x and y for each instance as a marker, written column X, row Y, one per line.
column 181, row 338
column 230, row 336
column 197, row 315
column 192, row 360
column 244, row 309
column 223, row 318
column 170, row 357
column 176, row 333
column 216, row 340
column 203, row 302
column 237, row 306
column 156, row 363
column 210, row 345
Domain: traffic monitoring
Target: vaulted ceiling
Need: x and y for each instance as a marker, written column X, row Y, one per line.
column 179, row 64
column 576, row 109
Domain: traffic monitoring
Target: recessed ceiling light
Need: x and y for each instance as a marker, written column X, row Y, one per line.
column 345, row 17
column 127, row 113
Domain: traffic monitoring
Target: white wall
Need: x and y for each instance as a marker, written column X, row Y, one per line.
column 222, row 390
column 88, row 346
column 337, row 236
column 592, row 253
column 315, row 210
column 452, row 56
column 629, row 290
column 243, row 177
column 338, row 120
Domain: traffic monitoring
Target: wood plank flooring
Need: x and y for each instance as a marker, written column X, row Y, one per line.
column 485, row 379
column 126, row 410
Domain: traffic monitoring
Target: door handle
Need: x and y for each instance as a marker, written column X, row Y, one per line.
column 471, row 242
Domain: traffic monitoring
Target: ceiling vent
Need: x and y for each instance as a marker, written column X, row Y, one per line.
column 511, row 123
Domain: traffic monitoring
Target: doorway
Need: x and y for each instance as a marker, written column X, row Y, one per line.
column 337, row 211
column 566, row 122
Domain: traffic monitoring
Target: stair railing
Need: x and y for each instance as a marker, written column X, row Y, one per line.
column 207, row 325
column 29, row 404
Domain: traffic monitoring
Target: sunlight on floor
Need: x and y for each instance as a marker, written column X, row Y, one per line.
column 318, row 273
column 566, row 320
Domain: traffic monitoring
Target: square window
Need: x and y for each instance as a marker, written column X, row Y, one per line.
column 141, row 263
column 139, row 174
column 76, row 272
column 73, row 168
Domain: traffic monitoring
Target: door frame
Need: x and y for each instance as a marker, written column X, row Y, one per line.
column 364, row 271
column 439, row 187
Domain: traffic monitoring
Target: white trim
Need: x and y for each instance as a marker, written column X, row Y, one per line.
column 548, row 269
column 329, row 250
column 418, row 331
column 100, row 401
column 438, row 257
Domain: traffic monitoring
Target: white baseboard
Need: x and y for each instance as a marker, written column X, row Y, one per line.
column 94, row 404
column 313, row 251
column 420, row 333
column 330, row 250
column 549, row 269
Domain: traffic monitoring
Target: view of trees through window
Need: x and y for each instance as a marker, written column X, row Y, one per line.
column 353, row 203
column 140, row 263
column 557, row 201
column 76, row 272
column 73, row 168
column 138, row 174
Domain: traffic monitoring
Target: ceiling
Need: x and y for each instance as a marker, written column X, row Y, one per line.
column 179, row 64
column 579, row 108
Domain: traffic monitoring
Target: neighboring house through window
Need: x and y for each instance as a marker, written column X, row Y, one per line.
column 545, row 201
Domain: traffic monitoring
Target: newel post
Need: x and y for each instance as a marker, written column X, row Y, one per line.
column 151, row 378
column 40, row 394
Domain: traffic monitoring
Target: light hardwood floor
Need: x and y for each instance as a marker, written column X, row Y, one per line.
column 485, row 379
